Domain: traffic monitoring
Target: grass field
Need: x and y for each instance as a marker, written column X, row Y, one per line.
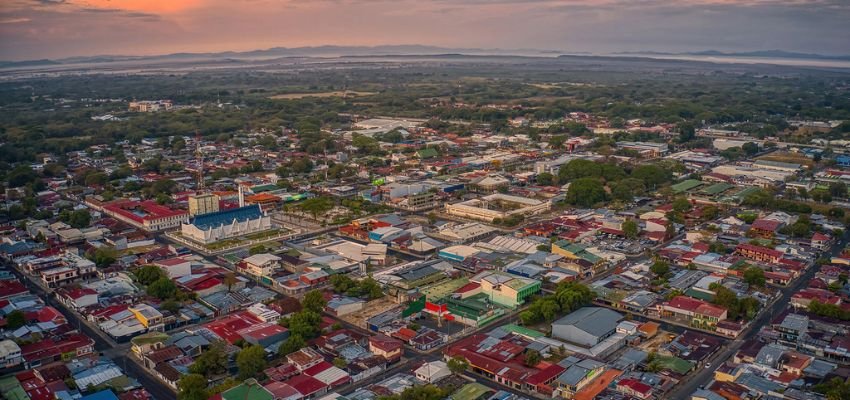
column 338, row 93
column 793, row 158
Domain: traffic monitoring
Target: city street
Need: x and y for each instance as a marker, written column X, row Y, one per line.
column 118, row 353
column 706, row 375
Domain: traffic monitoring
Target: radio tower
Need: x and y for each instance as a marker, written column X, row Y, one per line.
column 200, row 160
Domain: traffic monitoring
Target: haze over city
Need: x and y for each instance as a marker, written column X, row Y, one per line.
column 35, row 29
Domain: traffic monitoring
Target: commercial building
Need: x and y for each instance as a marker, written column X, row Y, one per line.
column 147, row 215
column 497, row 206
column 203, row 204
column 587, row 326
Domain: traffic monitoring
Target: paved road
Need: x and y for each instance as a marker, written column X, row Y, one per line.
column 118, row 353
column 706, row 375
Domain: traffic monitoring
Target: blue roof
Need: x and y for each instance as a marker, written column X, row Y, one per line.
column 101, row 395
column 216, row 219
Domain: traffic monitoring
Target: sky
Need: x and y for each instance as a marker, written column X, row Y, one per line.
column 36, row 29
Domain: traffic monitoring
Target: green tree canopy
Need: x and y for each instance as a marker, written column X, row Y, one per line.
column 251, row 361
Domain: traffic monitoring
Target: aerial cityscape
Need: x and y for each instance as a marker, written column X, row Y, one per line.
column 424, row 200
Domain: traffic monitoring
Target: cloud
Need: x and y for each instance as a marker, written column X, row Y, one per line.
column 57, row 28
column 14, row 20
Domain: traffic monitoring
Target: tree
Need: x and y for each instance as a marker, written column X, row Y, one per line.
column 545, row 179
column 251, row 361
column 162, row 288
column 660, row 269
column 314, row 301
column 291, row 345
column 170, row 306
column 754, row 276
column 532, row 358
column 104, row 256
column 750, row 148
column 15, row 320
column 148, row 274
column 79, row 219
column 211, row 362
column 192, row 387
column 630, row 228
column 258, row 249
column 652, row 175
column 585, row 192
column 627, row 189
column 710, row 212
column 305, row 323
column 340, row 363
column 681, row 204
column 838, row 189
column 457, row 365
column 229, row 280
column 834, row 389
column 342, row 283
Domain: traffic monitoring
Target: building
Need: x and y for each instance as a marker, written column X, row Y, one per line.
column 150, row 317
column 261, row 265
column 147, row 215
column 587, row 326
column 221, row 225
column 497, row 206
column 504, row 289
column 150, row 105
column 10, row 354
column 759, row 253
column 700, row 313
column 204, row 203
column 645, row 149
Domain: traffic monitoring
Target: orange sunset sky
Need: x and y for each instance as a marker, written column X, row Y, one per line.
column 32, row 29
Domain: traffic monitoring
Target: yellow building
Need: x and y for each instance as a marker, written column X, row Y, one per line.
column 150, row 317
column 203, row 203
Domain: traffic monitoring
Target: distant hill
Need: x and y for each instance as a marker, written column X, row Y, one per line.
column 28, row 63
column 276, row 52
column 753, row 54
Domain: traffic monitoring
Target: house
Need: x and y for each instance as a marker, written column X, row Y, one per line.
column 759, row 253
column 261, row 265
column 432, row 372
column 700, row 313
column 385, row 346
column 304, row 359
column 77, row 298
column 10, row 354
column 46, row 351
column 634, row 388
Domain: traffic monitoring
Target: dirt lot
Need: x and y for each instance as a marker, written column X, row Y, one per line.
column 369, row 310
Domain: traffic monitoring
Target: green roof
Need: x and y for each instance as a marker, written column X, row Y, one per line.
column 675, row 364
column 427, row 152
column 264, row 188
column 684, row 186
column 699, row 294
column 717, row 188
column 248, row 390
column 520, row 330
column 471, row 391
column 11, row 389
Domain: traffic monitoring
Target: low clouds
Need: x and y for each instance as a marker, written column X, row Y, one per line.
column 60, row 28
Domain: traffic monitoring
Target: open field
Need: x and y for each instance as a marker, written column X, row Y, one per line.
column 794, row 158
column 336, row 93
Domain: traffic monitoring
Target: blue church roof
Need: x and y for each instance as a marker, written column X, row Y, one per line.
column 216, row 219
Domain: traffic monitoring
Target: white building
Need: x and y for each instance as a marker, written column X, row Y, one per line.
column 221, row 225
